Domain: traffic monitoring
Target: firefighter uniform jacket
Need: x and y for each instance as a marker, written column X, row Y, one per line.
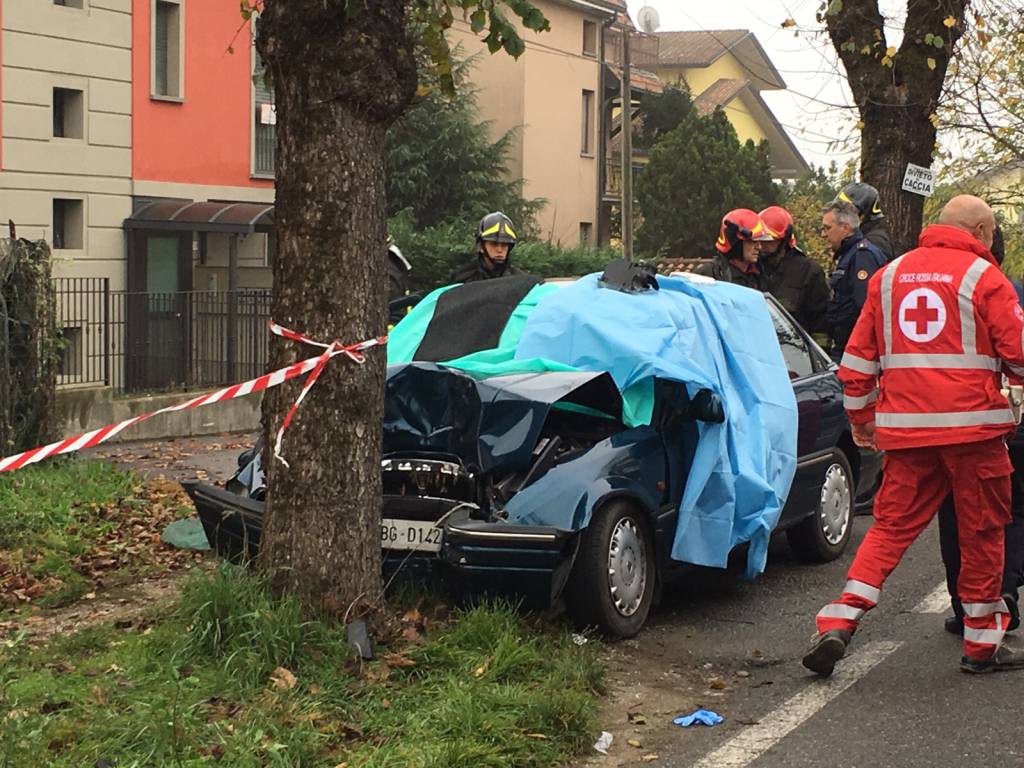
column 924, row 362
column 475, row 270
column 856, row 261
column 799, row 283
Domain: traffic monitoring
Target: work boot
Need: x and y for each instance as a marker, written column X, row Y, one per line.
column 826, row 650
column 1009, row 655
column 954, row 625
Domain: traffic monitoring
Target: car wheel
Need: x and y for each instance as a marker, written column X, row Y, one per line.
column 613, row 579
column 824, row 535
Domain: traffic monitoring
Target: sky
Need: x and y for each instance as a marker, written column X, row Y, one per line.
column 816, row 109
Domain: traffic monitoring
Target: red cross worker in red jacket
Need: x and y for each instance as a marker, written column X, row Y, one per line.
column 922, row 374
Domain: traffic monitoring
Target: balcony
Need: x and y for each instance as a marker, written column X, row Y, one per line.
column 643, row 49
column 613, row 176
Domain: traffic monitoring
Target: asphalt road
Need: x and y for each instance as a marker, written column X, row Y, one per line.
column 898, row 699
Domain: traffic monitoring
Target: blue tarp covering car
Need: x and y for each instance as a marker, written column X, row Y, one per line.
column 705, row 335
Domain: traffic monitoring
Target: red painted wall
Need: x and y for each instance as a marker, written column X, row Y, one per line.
column 207, row 138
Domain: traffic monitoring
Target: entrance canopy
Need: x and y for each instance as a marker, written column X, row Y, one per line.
column 186, row 216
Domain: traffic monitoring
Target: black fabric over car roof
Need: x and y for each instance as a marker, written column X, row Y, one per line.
column 489, row 304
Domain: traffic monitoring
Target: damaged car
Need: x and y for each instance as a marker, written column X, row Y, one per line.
column 573, row 444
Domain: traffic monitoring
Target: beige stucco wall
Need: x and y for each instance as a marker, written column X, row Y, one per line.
column 541, row 95
column 47, row 46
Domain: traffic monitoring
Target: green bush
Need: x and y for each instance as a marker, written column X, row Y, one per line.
column 435, row 252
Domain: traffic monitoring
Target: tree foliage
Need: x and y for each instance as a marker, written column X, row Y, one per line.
column 441, row 163
column 803, row 198
column 661, row 113
column 697, row 172
column 984, row 105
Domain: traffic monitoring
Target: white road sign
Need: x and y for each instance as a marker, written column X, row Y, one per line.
column 919, row 180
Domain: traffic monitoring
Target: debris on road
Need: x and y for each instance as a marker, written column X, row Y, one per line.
column 603, row 742
column 702, row 716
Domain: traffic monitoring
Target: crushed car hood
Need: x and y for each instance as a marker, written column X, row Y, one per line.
column 489, row 424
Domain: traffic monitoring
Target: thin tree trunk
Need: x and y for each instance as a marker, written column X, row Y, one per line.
column 339, row 82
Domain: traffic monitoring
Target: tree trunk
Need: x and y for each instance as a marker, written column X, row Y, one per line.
column 897, row 96
column 339, row 82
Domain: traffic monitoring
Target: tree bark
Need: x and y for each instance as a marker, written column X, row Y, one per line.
column 897, row 103
column 340, row 79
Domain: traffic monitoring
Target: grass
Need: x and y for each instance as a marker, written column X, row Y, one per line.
column 43, row 501
column 68, row 524
column 234, row 677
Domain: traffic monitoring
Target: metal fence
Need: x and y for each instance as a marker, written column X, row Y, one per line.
column 148, row 342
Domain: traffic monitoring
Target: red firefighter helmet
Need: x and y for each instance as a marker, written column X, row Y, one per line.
column 779, row 224
column 740, row 224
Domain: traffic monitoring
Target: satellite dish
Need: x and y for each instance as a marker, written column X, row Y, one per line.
column 648, row 19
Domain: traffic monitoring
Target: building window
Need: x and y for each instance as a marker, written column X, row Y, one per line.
column 264, row 131
column 68, row 113
column 589, row 38
column 72, row 352
column 587, row 140
column 167, row 39
column 70, row 3
column 586, row 230
column 68, row 224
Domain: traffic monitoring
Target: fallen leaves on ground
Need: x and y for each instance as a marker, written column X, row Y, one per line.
column 127, row 538
column 283, row 679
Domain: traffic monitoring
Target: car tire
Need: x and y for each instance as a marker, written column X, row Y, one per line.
column 824, row 535
column 613, row 578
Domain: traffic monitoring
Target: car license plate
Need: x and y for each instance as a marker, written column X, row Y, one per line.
column 410, row 534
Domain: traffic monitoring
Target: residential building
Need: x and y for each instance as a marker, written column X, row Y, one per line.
column 551, row 99
column 729, row 69
column 116, row 116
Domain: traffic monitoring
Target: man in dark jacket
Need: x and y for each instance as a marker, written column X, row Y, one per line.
column 739, row 246
column 790, row 275
column 857, row 259
column 872, row 221
column 495, row 239
column 1013, row 537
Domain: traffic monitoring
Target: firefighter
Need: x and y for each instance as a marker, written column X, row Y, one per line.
column 864, row 198
column 921, row 380
column 739, row 247
column 856, row 261
column 495, row 239
column 790, row 275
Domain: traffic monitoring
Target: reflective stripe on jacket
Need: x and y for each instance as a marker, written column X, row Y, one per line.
column 940, row 326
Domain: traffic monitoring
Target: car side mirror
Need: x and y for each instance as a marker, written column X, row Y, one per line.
column 707, row 406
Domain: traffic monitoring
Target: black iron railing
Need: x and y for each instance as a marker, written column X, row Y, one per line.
column 138, row 342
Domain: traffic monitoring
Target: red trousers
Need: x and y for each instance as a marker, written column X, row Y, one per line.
column 915, row 481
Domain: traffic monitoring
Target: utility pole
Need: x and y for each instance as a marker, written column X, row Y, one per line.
column 627, row 149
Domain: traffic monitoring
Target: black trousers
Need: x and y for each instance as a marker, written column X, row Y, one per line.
column 1013, row 566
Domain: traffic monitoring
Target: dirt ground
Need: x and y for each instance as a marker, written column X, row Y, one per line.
column 121, row 606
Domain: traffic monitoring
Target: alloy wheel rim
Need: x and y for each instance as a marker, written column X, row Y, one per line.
column 627, row 567
column 835, row 504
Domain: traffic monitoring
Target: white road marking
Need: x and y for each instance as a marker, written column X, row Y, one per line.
column 748, row 746
column 936, row 601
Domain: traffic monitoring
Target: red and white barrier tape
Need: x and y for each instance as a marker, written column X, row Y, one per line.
column 313, row 365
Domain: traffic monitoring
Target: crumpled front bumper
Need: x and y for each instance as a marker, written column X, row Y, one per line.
column 528, row 562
